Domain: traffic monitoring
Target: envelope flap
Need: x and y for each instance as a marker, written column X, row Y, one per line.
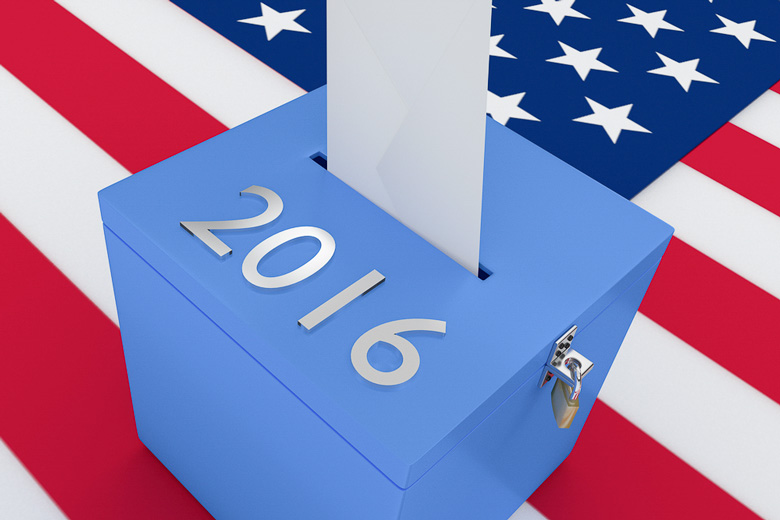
column 428, row 28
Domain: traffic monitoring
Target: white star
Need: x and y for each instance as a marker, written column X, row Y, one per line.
column 558, row 10
column 582, row 61
column 502, row 109
column 276, row 22
column 744, row 32
column 683, row 71
column 495, row 50
column 652, row 22
column 613, row 120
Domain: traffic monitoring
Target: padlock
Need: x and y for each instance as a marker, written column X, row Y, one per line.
column 564, row 407
column 570, row 367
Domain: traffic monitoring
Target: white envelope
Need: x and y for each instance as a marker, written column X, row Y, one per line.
column 407, row 84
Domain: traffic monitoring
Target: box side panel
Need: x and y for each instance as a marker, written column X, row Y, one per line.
column 498, row 465
column 240, row 442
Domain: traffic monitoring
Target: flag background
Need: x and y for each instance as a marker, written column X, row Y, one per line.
column 92, row 91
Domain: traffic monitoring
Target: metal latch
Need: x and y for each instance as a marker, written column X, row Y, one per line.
column 567, row 364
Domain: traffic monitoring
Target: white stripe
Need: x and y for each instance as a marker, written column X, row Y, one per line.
column 527, row 512
column 217, row 75
column 705, row 415
column 50, row 174
column 762, row 118
column 21, row 497
column 720, row 223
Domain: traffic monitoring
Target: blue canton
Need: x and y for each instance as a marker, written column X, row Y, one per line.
column 619, row 90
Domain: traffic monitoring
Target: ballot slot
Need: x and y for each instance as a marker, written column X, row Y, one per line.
column 321, row 159
column 483, row 273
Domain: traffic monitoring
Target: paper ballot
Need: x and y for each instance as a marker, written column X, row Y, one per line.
column 407, row 87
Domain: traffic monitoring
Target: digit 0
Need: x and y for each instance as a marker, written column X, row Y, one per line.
column 323, row 256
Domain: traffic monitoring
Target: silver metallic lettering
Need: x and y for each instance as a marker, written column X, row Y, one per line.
column 323, row 256
column 388, row 333
column 338, row 302
column 202, row 230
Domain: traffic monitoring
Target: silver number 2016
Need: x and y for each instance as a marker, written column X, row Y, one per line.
column 387, row 332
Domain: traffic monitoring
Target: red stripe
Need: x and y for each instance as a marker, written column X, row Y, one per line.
column 617, row 471
column 715, row 311
column 65, row 400
column 776, row 87
column 742, row 162
column 129, row 112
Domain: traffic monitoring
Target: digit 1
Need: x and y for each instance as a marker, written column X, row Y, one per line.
column 338, row 302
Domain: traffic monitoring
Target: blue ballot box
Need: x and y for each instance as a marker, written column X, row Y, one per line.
column 414, row 398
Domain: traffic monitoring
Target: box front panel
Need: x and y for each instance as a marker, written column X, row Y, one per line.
column 242, row 444
column 246, row 447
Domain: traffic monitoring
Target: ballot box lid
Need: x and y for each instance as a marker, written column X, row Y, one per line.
column 559, row 247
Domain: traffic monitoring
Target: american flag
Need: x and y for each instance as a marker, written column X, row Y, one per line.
column 94, row 90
